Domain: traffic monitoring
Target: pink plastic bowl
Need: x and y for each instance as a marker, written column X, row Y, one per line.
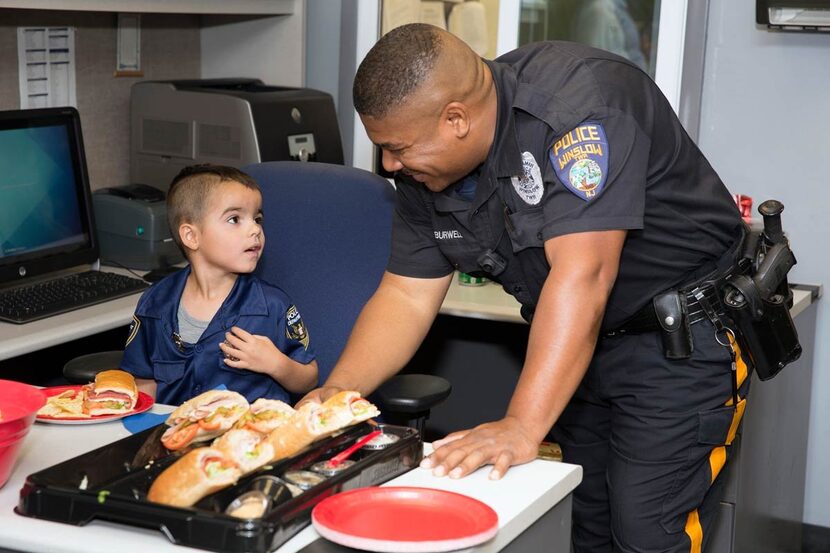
column 18, row 406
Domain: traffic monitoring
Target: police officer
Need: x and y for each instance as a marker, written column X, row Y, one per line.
column 562, row 172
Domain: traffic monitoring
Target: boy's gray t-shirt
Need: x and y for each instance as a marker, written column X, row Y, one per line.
column 190, row 328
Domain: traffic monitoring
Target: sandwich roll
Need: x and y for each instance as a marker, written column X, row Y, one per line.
column 203, row 418
column 307, row 424
column 113, row 392
column 245, row 447
column 313, row 421
column 195, row 475
column 266, row 415
column 348, row 408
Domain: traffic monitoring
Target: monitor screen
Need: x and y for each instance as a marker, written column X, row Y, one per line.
column 45, row 219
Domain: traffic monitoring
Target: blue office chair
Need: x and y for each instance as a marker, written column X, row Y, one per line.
column 327, row 237
column 327, row 234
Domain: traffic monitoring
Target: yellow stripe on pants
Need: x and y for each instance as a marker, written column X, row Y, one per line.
column 695, row 532
column 717, row 459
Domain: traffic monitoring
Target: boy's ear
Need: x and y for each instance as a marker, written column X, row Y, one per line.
column 189, row 235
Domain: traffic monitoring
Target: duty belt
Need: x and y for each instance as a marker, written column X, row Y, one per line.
column 645, row 320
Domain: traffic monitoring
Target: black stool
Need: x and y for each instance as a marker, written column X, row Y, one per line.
column 83, row 369
column 407, row 398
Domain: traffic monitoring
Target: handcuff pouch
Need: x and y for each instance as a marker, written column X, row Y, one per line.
column 675, row 334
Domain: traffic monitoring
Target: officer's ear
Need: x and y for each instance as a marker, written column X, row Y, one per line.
column 189, row 235
column 457, row 116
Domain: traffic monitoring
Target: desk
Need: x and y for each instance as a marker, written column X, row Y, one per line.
column 524, row 495
column 21, row 339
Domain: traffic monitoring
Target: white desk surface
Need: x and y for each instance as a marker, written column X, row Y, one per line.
column 488, row 302
column 18, row 339
column 520, row 498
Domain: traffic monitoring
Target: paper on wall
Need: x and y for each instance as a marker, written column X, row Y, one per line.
column 433, row 14
column 468, row 21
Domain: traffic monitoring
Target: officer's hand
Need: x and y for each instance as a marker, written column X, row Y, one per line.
column 501, row 443
column 318, row 395
column 244, row 350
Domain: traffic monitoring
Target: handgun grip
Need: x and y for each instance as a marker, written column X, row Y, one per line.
column 778, row 261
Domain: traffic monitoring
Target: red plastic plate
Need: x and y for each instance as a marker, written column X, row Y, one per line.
column 404, row 519
column 145, row 401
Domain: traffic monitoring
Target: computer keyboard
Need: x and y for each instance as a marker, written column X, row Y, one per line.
column 44, row 299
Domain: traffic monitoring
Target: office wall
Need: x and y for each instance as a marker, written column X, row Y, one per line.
column 169, row 49
column 764, row 127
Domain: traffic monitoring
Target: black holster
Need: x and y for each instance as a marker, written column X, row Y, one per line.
column 771, row 340
column 759, row 301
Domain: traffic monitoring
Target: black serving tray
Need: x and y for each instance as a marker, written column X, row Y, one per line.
column 111, row 482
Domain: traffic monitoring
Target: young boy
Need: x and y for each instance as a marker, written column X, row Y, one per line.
column 214, row 323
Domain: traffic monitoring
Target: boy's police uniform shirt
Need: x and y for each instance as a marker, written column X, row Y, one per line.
column 183, row 370
column 584, row 141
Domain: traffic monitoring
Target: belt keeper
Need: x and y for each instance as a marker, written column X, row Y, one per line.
column 675, row 334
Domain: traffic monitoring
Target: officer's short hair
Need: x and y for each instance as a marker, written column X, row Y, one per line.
column 188, row 194
column 394, row 68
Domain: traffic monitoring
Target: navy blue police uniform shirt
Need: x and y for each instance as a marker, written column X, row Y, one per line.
column 184, row 370
column 584, row 141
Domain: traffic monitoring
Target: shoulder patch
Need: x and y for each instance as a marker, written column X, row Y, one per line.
column 580, row 159
column 294, row 326
column 134, row 326
column 529, row 185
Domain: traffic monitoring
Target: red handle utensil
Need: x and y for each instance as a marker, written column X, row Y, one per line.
column 346, row 453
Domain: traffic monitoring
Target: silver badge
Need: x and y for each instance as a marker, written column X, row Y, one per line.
column 529, row 185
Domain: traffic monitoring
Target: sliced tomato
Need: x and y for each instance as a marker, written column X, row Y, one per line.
column 180, row 438
column 213, row 465
column 253, row 425
column 205, row 425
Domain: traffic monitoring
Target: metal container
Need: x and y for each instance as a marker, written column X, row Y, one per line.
column 381, row 441
column 304, row 479
column 251, row 504
column 326, row 469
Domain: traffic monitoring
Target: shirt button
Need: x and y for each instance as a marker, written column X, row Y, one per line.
column 455, row 265
column 475, row 211
column 517, row 288
column 197, row 389
column 539, row 235
column 198, row 348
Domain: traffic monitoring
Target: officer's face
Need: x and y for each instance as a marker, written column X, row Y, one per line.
column 426, row 147
column 230, row 232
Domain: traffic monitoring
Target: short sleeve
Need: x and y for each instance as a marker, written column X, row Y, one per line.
column 415, row 252
column 136, row 360
column 596, row 177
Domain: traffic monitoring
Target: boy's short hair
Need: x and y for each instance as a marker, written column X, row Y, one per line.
column 189, row 192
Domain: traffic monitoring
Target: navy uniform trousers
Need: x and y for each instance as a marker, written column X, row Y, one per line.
column 652, row 435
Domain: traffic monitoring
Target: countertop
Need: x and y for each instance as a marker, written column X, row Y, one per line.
column 520, row 498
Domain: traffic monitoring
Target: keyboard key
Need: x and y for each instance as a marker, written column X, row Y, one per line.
column 52, row 297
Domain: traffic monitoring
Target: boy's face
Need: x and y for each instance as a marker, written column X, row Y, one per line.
column 230, row 232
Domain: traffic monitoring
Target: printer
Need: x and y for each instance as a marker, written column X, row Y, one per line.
column 131, row 224
column 233, row 122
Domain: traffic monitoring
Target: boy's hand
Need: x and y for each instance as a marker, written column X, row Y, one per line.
column 253, row 352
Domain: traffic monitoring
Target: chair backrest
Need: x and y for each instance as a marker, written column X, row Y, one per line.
column 327, row 237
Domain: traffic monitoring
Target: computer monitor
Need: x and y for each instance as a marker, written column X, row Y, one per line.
column 46, row 223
